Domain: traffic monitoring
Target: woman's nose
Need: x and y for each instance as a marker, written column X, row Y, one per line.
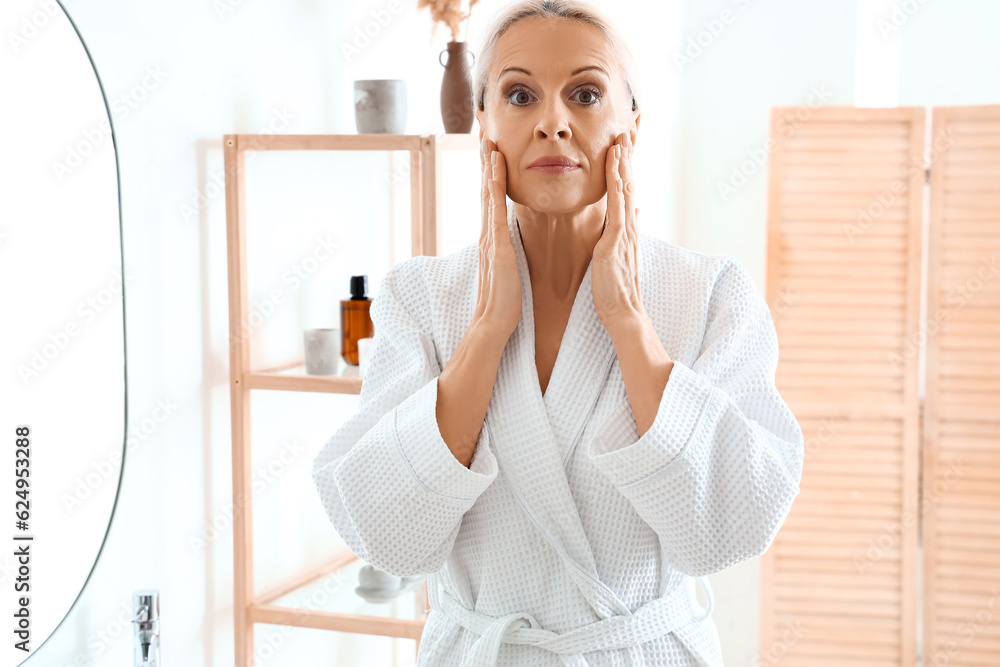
column 553, row 119
column 552, row 127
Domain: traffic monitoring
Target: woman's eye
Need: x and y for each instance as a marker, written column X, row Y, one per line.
column 592, row 96
column 516, row 93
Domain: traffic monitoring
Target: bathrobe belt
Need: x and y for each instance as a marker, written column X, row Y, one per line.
column 650, row 621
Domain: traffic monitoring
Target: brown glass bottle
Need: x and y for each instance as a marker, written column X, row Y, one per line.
column 355, row 319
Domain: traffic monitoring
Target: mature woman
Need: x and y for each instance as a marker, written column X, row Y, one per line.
column 567, row 424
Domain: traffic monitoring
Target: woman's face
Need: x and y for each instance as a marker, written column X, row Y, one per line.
column 552, row 111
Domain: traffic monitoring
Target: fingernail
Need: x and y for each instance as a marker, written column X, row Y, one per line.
column 618, row 152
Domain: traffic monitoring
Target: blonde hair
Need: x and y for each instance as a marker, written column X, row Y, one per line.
column 573, row 10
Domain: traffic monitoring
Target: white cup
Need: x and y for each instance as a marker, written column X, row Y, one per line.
column 363, row 346
column 322, row 350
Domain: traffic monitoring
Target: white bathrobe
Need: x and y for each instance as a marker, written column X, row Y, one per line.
column 569, row 540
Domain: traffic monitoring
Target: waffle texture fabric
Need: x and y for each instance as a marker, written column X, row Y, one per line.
column 569, row 540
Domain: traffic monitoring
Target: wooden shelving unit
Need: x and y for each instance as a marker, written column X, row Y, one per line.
column 425, row 190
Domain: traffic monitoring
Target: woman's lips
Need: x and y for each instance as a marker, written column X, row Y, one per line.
column 554, row 168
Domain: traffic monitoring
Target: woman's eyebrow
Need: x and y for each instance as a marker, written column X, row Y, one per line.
column 514, row 68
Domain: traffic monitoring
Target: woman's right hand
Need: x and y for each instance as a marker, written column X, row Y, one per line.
column 498, row 305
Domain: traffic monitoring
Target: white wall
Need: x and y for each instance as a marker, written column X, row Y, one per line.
column 950, row 53
column 251, row 66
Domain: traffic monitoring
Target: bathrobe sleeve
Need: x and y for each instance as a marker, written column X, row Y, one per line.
column 388, row 482
column 716, row 473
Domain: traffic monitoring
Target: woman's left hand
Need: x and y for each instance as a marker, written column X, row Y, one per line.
column 615, row 271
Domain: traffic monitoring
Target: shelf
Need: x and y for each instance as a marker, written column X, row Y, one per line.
column 404, row 616
column 345, row 380
column 307, row 601
column 356, row 142
column 341, row 560
column 331, row 620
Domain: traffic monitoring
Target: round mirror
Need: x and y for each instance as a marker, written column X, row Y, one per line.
column 63, row 330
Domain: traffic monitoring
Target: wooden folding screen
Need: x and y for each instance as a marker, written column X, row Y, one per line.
column 961, row 501
column 839, row 583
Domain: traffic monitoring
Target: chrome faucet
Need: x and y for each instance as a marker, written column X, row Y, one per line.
column 146, row 617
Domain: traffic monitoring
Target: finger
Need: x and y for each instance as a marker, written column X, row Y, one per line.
column 616, row 203
column 490, row 203
column 634, row 226
column 484, row 196
column 500, row 175
column 500, row 193
column 484, row 234
column 628, row 183
column 489, row 187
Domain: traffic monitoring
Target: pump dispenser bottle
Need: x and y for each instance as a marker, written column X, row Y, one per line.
column 355, row 320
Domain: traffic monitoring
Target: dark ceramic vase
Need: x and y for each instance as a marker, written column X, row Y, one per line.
column 456, row 88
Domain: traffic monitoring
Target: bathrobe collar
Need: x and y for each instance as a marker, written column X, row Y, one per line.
column 520, row 422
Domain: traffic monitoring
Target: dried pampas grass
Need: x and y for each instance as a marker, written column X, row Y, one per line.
column 448, row 12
